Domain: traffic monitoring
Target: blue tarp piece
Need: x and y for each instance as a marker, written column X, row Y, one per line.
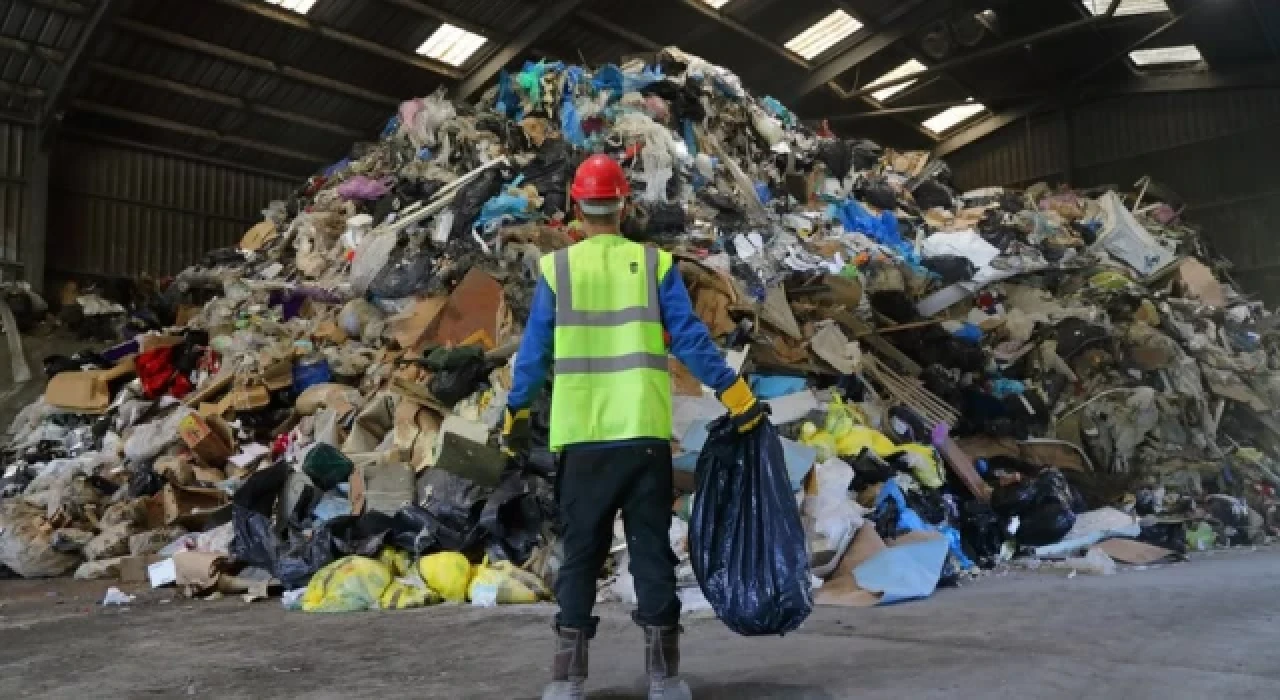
column 907, row 519
column 508, row 103
column 776, row 109
column 1000, row 388
column 513, row 205
column 766, row 386
column 855, row 218
column 340, row 165
column 393, row 125
column 957, row 549
column 762, row 191
column 970, row 334
column 690, row 139
column 570, row 122
column 905, row 571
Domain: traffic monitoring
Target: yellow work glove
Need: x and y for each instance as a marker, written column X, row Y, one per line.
column 515, row 432
column 745, row 411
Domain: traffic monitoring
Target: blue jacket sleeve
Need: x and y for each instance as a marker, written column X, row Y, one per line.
column 536, row 349
column 691, row 342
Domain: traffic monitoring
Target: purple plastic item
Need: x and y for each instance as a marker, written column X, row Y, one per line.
column 121, row 351
column 361, row 187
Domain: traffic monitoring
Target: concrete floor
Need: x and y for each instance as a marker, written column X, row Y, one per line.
column 1192, row 630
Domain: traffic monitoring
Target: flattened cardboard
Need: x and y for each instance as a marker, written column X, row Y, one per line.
column 1134, row 552
column 410, row 328
column 86, row 392
column 476, row 305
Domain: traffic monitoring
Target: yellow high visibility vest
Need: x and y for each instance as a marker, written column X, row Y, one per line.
column 611, row 378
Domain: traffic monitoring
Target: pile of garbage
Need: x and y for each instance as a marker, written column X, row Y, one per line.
column 963, row 380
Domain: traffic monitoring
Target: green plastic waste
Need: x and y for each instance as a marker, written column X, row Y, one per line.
column 1202, row 538
column 326, row 466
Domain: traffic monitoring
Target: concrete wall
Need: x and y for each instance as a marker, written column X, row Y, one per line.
column 1215, row 148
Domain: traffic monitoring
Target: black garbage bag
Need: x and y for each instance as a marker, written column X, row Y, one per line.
column 471, row 198
column 293, row 559
column 550, row 171
column 413, row 529
column 951, row 268
column 746, row 541
column 930, row 194
column 837, row 155
column 406, row 273
column 1046, row 524
column 866, row 153
column 458, row 373
column 454, row 504
column 513, row 516
column 363, row 536
column 981, row 533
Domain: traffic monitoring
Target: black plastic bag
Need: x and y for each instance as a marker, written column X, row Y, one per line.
column 405, row 274
column 293, row 560
column 1044, row 525
column 455, row 504
column 746, row 541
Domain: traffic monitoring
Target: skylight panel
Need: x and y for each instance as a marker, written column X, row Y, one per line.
column 716, row 3
column 452, row 45
column 819, row 38
column 1127, row 7
column 302, row 7
column 909, row 68
column 1166, row 56
column 945, row 121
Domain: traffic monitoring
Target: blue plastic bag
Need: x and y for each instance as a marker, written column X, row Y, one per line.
column 746, row 540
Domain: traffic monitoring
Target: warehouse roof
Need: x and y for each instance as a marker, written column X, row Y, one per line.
column 288, row 85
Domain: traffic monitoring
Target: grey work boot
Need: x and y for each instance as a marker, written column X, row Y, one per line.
column 662, row 664
column 569, row 670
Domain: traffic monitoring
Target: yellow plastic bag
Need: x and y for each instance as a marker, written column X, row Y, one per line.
column 839, row 418
column 860, row 437
column 924, row 465
column 503, row 583
column 446, row 573
column 403, row 594
column 350, row 584
column 820, row 440
column 397, row 560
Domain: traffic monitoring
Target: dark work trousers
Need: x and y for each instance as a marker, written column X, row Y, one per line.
column 594, row 484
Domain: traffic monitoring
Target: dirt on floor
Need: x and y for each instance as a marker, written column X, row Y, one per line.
column 1192, row 630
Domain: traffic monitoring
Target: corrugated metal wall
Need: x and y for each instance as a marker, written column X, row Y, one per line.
column 1215, row 148
column 14, row 141
column 114, row 211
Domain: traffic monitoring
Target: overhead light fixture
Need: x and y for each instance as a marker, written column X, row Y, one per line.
column 452, row 45
column 945, row 121
column 1127, row 7
column 819, row 38
column 1166, row 56
column 716, row 3
column 909, row 68
column 302, row 7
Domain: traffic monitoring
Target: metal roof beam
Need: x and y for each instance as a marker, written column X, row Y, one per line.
column 229, row 101
column 534, row 30
column 45, row 53
column 90, row 34
column 1064, row 96
column 65, row 7
column 198, row 132
column 725, row 20
column 1005, row 46
column 256, row 62
column 619, row 31
column 29, row 92
column 884, row 36
column 304, row 23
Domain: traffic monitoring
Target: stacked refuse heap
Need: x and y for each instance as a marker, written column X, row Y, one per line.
column 1019, row 375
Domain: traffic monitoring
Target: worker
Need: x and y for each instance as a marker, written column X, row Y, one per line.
column 599, row 314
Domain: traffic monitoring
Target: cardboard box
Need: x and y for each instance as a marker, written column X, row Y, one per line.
column 209, row 438
column 135, row 569
column 192, row 508
column 208, row 475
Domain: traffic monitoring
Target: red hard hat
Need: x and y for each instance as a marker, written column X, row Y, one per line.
column 600, row 177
